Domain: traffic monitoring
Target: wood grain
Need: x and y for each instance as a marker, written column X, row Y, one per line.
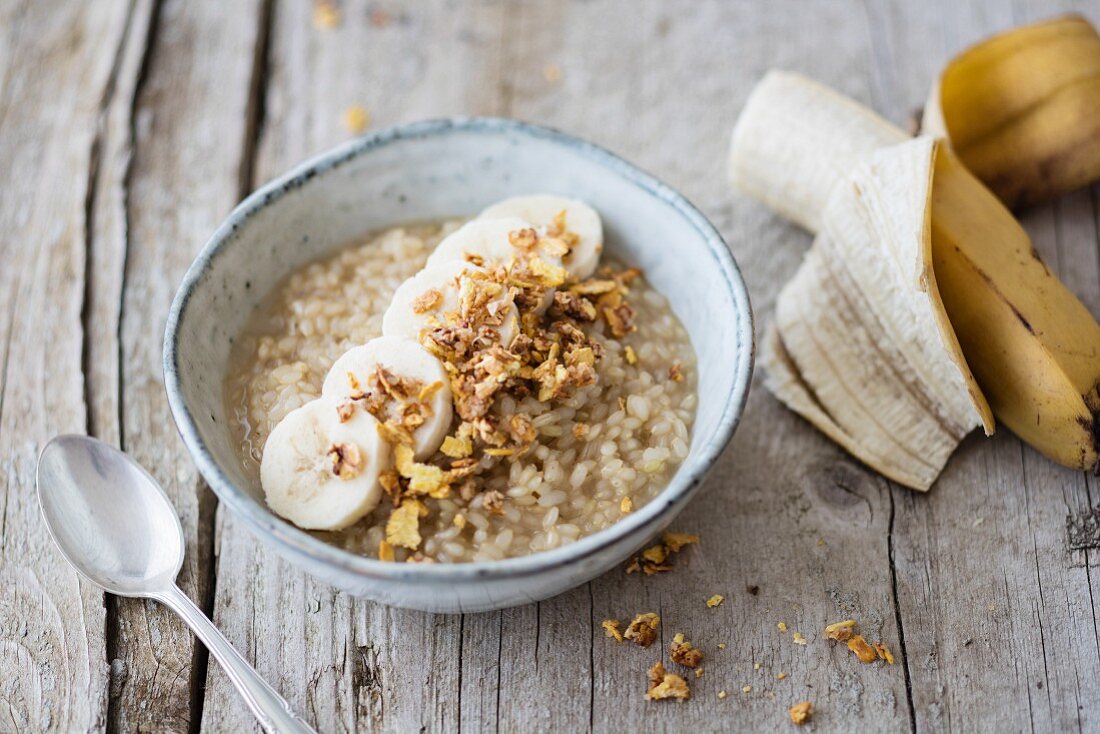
column 56, row 64
column 127, row 131
column 187, row 112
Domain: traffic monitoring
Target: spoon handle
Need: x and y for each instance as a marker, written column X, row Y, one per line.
column 270, row 709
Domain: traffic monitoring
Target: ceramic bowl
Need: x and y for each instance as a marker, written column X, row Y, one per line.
column 429, row 171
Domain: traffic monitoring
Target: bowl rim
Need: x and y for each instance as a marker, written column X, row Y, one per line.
column 273, row 529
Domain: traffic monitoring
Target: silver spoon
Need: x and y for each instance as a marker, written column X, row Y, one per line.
column 115, row 525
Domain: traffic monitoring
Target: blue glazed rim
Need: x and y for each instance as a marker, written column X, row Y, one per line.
column 644, row 522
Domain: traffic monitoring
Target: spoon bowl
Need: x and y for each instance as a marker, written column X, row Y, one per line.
column 109, row 517
column 117, row 527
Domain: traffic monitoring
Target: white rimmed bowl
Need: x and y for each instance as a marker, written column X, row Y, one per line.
column 428, row 171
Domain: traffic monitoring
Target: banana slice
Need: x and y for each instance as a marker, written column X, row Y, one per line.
column 437, row 294
column 320, row 469
column 488, row 240
column 543, row 210
column 355, row 374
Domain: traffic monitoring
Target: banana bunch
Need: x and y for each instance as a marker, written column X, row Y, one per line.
column 1022, row 109
column 860, row 345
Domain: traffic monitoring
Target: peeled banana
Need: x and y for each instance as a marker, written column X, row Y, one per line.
column 1022, row 109
column 1032, row 346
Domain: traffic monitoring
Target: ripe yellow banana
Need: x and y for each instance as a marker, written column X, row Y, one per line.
column 1022, row 109
column 1031, row 344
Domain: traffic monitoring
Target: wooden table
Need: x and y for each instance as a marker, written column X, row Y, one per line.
column 130, row 128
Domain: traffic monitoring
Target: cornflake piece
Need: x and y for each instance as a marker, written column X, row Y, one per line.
column 326, row 15
column 356, row 119
column 663, row 684
column 385, row 551
column 782, row 626
column 460, row 521
column 863, row 651
column 780, row 676
column 798, row 639
column 493, row 502
column 345, row 411
column 611, row 629
column 403, row 527
column 457, row 448
column 801, row 712
column 676, row 372
column 722, row 694
column 630, row 354
column 676, row 541
column 642, row 630
column 626, row 506
column 746, row 689
column 840, row 631
column 884, row 653
column 523, row 239
column 721, row 646
column 427, row 300
column 699, row 672
column 683, row 652
column 655, row 553
column 715, row 600
column 347, row 460
column 423, row 478
column 756, row 666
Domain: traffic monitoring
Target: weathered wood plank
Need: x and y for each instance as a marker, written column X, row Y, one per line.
column 995, row 605
column 188, row 118
column 55, row 63
column 662, row 83
column 349, row 665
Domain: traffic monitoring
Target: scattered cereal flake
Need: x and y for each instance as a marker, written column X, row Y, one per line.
column 460, row 521
column 715, row 600
column 801, row 712
column 798, row 639
column 699, row 672
column 385, row 551
column 863, row 651
column 683, row 652
column 423, row 478
column 676, row 541
column 884, row 652
column 722, row 694
column 356, row 118
column 756, row 666
column 840, row 630
column 547, row 274
column 345, row 411
column 493, row 502
column 630, row 354
column 626, row 506
column 326, row 15
column 663, row 684
column 347, row 460
column 427, row 300
column 676, row 372
column 746, row 689
column 403, row 527
column 552, row 73
column 457, row 448
column 655, row 553
column 780, row 676
column 379, row 18
column 611, row 629
column 642, row 630
column 721, row 646
column 782, row 626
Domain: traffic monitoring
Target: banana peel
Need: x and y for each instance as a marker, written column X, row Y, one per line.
column 861, row 345
column 1031, row 345
column 1022, row 109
